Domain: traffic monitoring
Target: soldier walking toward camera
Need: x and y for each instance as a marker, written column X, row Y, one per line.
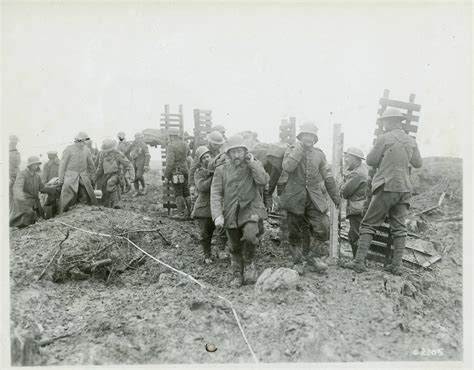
column 77, row 174
column 391, row 155
column 15, row 160
column 202, row 207
column 353, row 189
column 26, row 203
column 109, row 172
column 124, row 147
column 304, row 200
column 177, row 172
column 237, row 205
column 140, row 158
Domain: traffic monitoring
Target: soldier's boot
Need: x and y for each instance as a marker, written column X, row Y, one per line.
column 48, row 212
column 180, row 205
column 250, row 273
column 143, row 191
column 358, row 265
column 399, row 248
column 136, row 186
column 189, row 207
column 236, row 266
column 354, row 250
column 114, row 200
column 312, row 257
column 297, row 257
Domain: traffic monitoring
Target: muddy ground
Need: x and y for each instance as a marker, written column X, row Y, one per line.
column 144, row 313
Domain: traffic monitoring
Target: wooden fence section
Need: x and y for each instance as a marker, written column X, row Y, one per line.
column 202, row 127
column 167, row 121
column 288, row 131
column 382, row 245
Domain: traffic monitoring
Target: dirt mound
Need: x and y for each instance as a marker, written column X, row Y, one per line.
column 148, row 314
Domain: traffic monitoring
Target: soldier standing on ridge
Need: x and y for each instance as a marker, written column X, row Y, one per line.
column 77, row 174
column 304, row 200
column 353, row 189
column 237, row 205
column 140, row 157
column 391, row 155
column 15, row 160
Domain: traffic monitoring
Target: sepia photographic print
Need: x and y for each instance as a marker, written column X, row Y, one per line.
column 245, row 184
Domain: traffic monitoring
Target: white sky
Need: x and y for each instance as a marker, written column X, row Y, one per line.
column 103, row 68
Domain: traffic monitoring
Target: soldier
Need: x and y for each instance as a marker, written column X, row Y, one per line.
column 177, row 172
column 221, row 130
column 215, row 142
column 140, row 157
column 15, row 160
column 202, row 207
column 26, row 204
column 109, row 172
column 237, row 205
column 50, row 168
column 94, row 151
column 124, row 147
column 77, row 174
column 303, row 197
column 353, row 189
column 391, row 155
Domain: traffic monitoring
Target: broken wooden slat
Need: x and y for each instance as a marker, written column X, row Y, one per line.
column 400, row 104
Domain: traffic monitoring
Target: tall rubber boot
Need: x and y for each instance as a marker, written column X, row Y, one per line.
column 297, row 257
column 189, row 207
column 313, row 257
column 114, row 200
column 399, row 248
column 358, row 265
column 136, row 186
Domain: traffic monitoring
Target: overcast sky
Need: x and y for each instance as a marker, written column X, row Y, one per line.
column 104, row 68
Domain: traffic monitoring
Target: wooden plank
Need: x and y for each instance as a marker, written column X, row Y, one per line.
column 432, row 260
column 170, row 115
column 406, row 128
column 399, row 104
column 170, row 120
column 409, row 117
column 205, row 111
column 334, row 212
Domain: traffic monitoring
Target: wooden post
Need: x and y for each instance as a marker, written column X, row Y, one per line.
column 337, row 146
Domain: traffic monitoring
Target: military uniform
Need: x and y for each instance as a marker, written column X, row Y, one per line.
column 109, row 175
column 235, row 196
column 14, row 169
column 124, row 147
column 50, row 170
column 304, row 200
column 353, row 189
column 140, row 158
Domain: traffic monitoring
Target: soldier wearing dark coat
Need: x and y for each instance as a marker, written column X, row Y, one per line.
column 140, row 158
column 50, row 176
column 391, row 155
column 304, row 200
column 26, row 203
column 353, row 189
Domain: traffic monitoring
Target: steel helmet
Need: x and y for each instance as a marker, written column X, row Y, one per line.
column 174, row 131
column 219, row 128
column 235, row 141
column 108, row 145
column 14, row 138
column 139, row 135
column 356, row 152
column 215, row 137
column 392, row 112
column 32, row 160
column 308, row 128
column 121, row 135
column 201, row 151
column 81, row 136
column 51, row 152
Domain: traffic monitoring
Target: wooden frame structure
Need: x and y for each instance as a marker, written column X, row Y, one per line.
column 202, row 126
column 382, row 244
column 169, row 120
column 288, row 131
column 335, row 213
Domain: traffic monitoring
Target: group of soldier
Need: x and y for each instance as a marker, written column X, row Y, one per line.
column 232, row 184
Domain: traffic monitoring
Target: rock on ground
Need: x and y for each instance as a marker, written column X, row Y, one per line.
column 273, row 280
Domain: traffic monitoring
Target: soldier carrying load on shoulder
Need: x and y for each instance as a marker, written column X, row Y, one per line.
column 304, row 200
column 140, row 158
column 237, row 206
column 353, row 189
column 124, row 147
column 391, row 155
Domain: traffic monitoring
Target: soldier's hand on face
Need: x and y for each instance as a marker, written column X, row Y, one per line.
column 249, row 157
column 219, row 221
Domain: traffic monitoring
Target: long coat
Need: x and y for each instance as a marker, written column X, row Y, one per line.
column 307, row 170
column 392, row 153
column 50, row 170
column 139, row 155
column 76, row 168
column 26, row 204
column 112, row 163
column 354, row 188
column 235, row 193
column 176, row 158
column 202, row 180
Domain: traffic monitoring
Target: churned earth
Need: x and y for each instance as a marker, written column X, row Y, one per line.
column 135, row 311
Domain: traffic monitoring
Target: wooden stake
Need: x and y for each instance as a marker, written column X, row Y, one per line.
column 338, row 139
